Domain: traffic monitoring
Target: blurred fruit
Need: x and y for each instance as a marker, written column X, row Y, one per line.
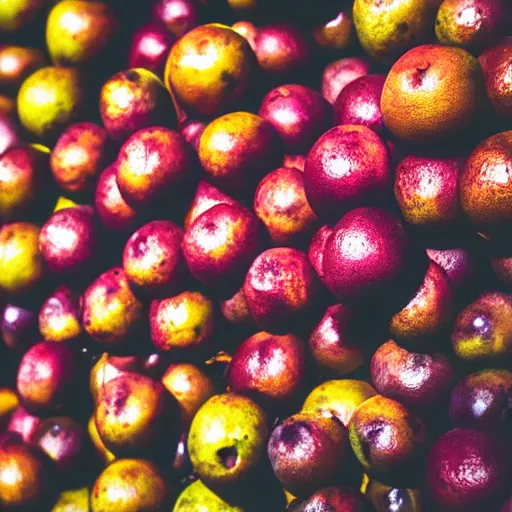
column 73, row 500
column 16, row 63
column 19, row 14
column 336, row 34
column 24, row 424
column 9, row 131
column 177, row 16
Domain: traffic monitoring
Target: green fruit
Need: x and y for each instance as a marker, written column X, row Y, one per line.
column 73, row 500
column 198, row 498
column 50, row 99
column 227, row 438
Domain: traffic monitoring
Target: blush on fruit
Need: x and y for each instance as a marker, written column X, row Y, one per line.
column 458, row 263
column 9, row 132
column 18, row 327
column 340, row 73
column 247, row 30
column 177, row 16
column 316, row 249
column 16, row 63
column 191, row 131
column 24, row 423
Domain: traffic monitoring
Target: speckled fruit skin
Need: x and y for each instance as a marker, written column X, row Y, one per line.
column 152, row 257
column 177, row 16
column 59, row 316
column 471, row 24
column 427, row 190
column 341, row 499
column 281, row 204
column 280, row 287
column 496, row 67
column 235, row 453
column 129, row 484
column 385, row 498
column 149, row 48
column 268, row 368
column 25, row 474
column 16, row 63
column 80, row 154
column 281, row 49
column 482, row 331
column 24, row 423
column 458, row 264
column 415, row 380
column 50, row 99
column 24, row 172
column 349, row 166
column 114, row 212
column 429, row 311
column 367, row 252
column 181, row 322
column 46, row 376
column 221, row 244
column 236, row 310
column 68, row 239
column 191, row 131
column 333, row 343
column 340, row 73
column 78, row 31
column 307, row 452
column 150, row 164
column 9, row 132
column 237, row 149
column 432, row 92
column 191, row 388
column 134, row 99
column 316, row 249
column 18, row 327
column 387, row 438
column 21, row 263
column 338, row 398
column 485, row 188
column 359, row 103
column 110, row 310
column 482, row 400
column 210, row 69
column 299, row 114
column 467, row 470
column 206, row 197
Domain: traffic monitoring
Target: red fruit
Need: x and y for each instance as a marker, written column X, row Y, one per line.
column 178, row 16
column 340, row 73
column 24, row 424
column 317, row 248
column 458, row 264
column 18, row 327
column 9, row 133
column 299, row 114
column 348, row 166
column 191, row 131
column 236, row 310
column 339, row 499
column 247, row 30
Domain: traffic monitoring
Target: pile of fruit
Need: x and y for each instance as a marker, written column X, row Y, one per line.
column 256, row 255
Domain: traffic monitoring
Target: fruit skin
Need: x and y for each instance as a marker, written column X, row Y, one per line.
column 25, row 474
column 68, row 240
column 495, row 63
column 24, row 424
column 336, row 34
column 367, row 253
column 268, row 368
column 18, row 327
column 253, row 150
column 338, row 398
column 467, row 469
column 182, row 322
column 152, row 257
column 210, row 69
column 17, row 15
column 78, row 31
column 134, row 99
column 340, row 499
column 236, row 310
column 16, row 63
column 149, row 48
column 299, row 114
column 50, row 99
column 177, row 16
column 415, row 380
column 191, row 130
column 482, row 331
column 135, row 415
column 414, row 99
column 481, row 400
column 334, row 344
column 387, row 438
column 428, row 312
column 359, row 103
column 24, row 172
column 73, row 500
column 152, row 163
column 21, row 263
column 340, row 73
column 102, row 451
column 470, row 24
column 387, row 498
column 196, row 497
column 9, row 132
column 129, row 485
column 81, row 153
column 348, row 166
column 9, row 402
column 316, row 249
column 458, row 263
column 280, row 287
column 485, row 192
column 59, row 316
column 281, row 204
column 427, row 190
column 46, row 376
column 308, row 452
column 221, row 244
column 385, row 31
column 235, row 452
column 110, row 310
column 191, row 388
column 247, row 30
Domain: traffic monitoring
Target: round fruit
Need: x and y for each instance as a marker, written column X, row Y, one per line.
column 340, row 73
